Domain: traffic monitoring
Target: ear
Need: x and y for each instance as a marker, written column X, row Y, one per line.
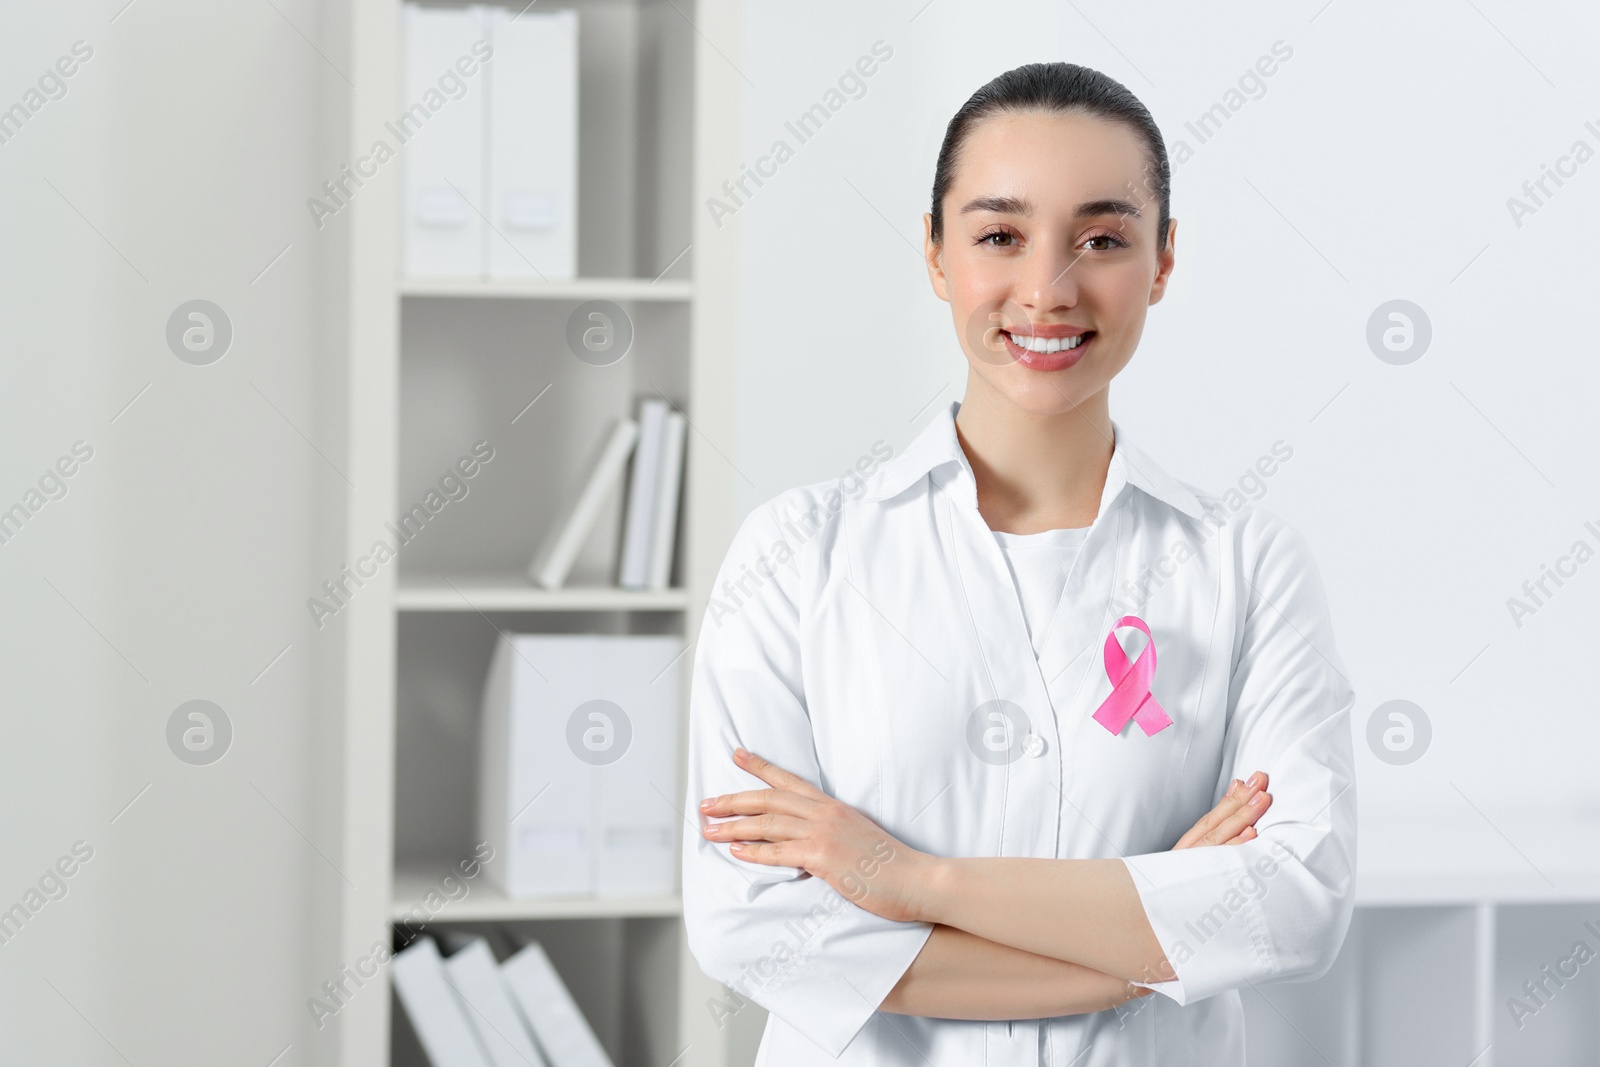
column 1165, row 260
column 933, row 255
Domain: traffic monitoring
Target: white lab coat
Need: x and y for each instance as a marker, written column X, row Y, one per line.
column 854, row 629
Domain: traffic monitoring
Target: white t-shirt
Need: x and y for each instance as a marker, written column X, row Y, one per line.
column 1040, row 563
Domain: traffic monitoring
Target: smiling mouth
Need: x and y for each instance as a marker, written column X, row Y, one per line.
column 1047, row 345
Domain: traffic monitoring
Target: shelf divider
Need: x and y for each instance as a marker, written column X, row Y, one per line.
column 477, row 592
column 1483, row 987
column 484, row 903
column 664, row 289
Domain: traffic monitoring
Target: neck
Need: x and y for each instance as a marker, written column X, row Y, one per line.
column 1035, row 471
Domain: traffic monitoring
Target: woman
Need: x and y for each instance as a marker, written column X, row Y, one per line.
column 986, row 815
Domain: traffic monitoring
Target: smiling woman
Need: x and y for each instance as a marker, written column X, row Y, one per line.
column 971, row 827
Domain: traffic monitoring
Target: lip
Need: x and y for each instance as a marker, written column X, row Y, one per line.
column 1041, row 361
column 1046, row 330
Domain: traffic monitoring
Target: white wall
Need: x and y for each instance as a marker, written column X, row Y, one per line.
column 177, row 566
column 1375, row 164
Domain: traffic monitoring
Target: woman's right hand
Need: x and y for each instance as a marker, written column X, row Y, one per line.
column 1232, row 821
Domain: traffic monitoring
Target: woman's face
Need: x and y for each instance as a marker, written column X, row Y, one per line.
column 1049, row 242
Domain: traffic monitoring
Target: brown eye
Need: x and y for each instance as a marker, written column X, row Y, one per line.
column 1116, row 242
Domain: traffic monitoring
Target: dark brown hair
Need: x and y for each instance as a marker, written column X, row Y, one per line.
column 1055, row 88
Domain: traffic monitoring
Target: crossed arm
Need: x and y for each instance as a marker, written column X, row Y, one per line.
column 995, row 951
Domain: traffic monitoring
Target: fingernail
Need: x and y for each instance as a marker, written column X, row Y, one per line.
column 1255, row 780
column 1234, row 787
column 740, row 752
column 1257, row 800
column 707, row 802
column 739, row 847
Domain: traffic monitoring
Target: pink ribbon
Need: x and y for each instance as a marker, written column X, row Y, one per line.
column 1130, row 693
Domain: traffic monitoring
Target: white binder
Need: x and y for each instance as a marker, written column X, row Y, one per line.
column 644, row 487
column 533, row 144
column 636, row 798
column 475, row 975
column 553, row 1016
column 442, row 148
column 536, row 803
column 435, row 1010
column 665, row 536
column 588, row 725
column 564, row 539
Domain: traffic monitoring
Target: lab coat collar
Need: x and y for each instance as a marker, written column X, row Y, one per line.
column 938, row 445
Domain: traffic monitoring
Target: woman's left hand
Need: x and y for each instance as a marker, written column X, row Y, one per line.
column 795, row 824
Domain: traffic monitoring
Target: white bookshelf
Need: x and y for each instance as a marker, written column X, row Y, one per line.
column 1452, row 916
column 441, row 363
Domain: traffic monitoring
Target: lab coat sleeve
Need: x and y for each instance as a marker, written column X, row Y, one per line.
column 1277, row 907
column 774, row 935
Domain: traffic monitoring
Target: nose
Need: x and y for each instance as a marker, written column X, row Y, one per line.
column 1049, row 282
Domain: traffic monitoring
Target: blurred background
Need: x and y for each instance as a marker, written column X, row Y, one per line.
column 579, row 312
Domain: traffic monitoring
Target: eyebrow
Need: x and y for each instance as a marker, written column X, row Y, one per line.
column 1011, row 205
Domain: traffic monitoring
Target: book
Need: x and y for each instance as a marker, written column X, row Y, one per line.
column 437, row 1013
column 475, row 975
column 563, row 1033
column 564, row 539
column 533, row 144
column 644, row 483
column 664, row 538
column 441, row 138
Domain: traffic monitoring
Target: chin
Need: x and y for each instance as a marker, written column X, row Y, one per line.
column 1046, row 401
column 1036, row 393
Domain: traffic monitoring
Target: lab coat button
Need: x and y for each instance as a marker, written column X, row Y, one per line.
column 1033, row 745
